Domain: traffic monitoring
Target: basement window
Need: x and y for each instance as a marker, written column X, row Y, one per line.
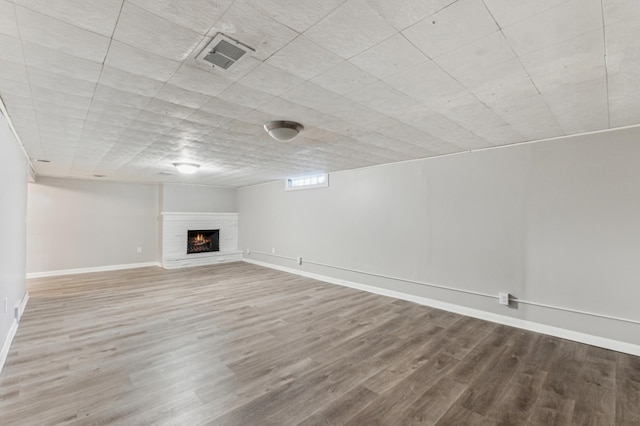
column 307, row 182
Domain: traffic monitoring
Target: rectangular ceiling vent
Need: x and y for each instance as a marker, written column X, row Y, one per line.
column 223, row 52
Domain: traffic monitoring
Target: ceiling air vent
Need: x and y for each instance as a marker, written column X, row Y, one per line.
column 223, row 53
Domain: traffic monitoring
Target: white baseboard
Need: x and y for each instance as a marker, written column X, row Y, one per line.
column 20, row 307
column 93, row 269
column 563, row 333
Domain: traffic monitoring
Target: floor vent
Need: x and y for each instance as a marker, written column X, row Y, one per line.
column 223, row 52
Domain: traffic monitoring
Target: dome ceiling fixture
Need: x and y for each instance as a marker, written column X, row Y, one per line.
column 187, row 168
column 283, row 131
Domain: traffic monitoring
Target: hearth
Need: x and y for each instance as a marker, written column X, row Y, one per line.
column 203, row 240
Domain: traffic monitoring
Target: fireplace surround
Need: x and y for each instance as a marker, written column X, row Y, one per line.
column 205, row 228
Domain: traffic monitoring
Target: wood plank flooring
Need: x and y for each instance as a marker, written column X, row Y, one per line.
column 238, row 344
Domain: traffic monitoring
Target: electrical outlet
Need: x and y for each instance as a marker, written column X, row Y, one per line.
column 139, row 249
column 248, row 251
column 504, row 298
column 299, row 260
column 273, row 250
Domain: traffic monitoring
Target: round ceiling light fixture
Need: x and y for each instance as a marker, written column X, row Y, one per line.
column 187, row 168
column 283, row 131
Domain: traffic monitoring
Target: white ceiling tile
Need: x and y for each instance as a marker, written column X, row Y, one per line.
column 257, row 117
column 180, row 96
column 350, row 111
column 146, row 31
column 624, row 86
column 61, row 110
column 61, row 98
column 197, row 15
column 227, row 109
column 569, row 75
column 583, row 108
column 95, row 124
column 50, row 60
column 350, row 29
column 281, row 109
column 402, row 14
column 296, row 14
column 587, row 50
column 382, row 98
column 197, row 80
column 522, row 107
column 208, row 119
column 483, row 62
column 135, row 84
column 569, row 20
column 444, row 129
column 396, row 130
column 152, row 130
column 343, row 78
column 8, row 23
column 389, row 57
column 245, row 96
column 309, row 94
column 303, row 58
column 427, row 83
column 471, row 114
column 158, row 119
column 98, row 16
column 508, row 12
column 190, row 130
column 272, row 80
column 577, row 96
column 622, row 35
column 61, row 83
column 14, row 71
column 459, row 24
column 254, row 28
column 246, row 128
column 104, row 108
column 119, row 97
column 13, row 87
column 49, row 32
column 139, row 62
column 11, row 49
column 18, row 102
column 158, row 106
column 316, row 133
column 620, row 10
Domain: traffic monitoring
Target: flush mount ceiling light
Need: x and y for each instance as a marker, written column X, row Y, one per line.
column 283, row 131
column 187, row 168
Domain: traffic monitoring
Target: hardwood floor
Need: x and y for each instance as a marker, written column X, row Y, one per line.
column 238, row 344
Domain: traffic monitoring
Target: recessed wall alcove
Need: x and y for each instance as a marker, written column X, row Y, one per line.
column 176, row 227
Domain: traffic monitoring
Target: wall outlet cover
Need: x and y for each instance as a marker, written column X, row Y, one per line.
column 504, row 298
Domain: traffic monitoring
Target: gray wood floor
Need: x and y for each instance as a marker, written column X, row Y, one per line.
column 239, row 344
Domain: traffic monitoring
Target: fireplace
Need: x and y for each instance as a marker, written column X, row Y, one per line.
column 203, row 240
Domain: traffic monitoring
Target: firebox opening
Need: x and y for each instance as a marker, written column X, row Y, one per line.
column 203, row 240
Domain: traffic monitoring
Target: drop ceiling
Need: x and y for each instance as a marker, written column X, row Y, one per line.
column 113, row 88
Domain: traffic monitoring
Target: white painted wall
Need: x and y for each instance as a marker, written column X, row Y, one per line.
column 555, row 222
column 75, row 224
column 194, row 198
column 13, row 210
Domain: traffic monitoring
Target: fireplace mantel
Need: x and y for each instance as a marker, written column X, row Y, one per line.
column 175, row 226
